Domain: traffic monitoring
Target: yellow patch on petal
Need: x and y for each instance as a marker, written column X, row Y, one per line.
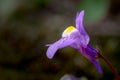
column 68, row 31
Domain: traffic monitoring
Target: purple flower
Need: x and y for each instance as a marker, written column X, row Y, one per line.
column 78, row 39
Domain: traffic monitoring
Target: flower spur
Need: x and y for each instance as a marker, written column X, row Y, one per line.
column 76, row 38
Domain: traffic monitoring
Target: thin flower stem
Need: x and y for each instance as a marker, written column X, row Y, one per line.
column 109, row 64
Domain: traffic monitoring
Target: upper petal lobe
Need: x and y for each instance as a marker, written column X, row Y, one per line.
column 80, row 27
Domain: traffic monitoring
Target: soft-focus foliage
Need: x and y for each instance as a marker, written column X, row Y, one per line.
column 27, row 25
column 95, row 9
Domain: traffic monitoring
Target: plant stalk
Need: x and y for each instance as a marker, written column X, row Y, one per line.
column 109, row 64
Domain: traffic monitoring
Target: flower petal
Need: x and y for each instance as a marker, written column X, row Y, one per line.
column 80, row 27
column 63, row 42
column 96, row 63
column 91, row 55
column 79, row 39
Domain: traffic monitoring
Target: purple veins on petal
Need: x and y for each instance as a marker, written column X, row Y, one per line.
column 63, row 42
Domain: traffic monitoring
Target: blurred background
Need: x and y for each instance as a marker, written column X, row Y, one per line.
column 26, row 26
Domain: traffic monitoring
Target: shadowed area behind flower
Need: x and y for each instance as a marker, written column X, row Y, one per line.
column 27, row 25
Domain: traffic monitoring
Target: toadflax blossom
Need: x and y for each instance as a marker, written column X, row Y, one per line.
column 77, row 38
